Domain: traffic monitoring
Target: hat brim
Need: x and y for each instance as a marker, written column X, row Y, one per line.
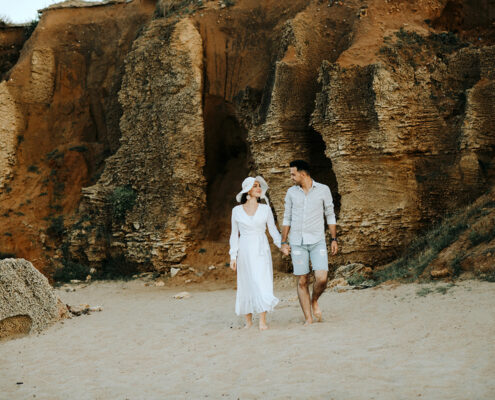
column 264, row 188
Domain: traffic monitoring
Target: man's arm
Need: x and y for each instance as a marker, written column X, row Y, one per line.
column 333, row 230
column 285, row 232
column 331, row 221
column 285, row 245
column 333, row 233
column 286, row 224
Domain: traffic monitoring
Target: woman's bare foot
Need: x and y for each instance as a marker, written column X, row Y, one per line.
column 316, row 312
column 249, row 321
column 263, row 325
column 308, row 322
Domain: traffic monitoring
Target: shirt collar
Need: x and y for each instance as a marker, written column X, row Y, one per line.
column 313, row 185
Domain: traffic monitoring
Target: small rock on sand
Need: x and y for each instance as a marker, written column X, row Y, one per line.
column 182, row 295
column 441, row 273
column 174, row 271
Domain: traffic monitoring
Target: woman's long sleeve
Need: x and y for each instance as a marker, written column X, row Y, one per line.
column 272, row 228
column 234, row 239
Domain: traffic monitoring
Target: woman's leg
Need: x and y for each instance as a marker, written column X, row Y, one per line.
column 249, row 320
column 263, row 325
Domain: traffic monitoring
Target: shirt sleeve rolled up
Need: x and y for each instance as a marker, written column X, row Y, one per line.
column 329, row 208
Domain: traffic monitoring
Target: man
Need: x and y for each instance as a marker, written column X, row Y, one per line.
column 305, row 204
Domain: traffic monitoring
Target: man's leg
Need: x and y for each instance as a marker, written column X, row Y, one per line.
column 319, row 260
column 304, row 298
column 300, row 262
column 319, row 286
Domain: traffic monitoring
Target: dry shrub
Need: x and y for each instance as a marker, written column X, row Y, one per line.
column 164, row 8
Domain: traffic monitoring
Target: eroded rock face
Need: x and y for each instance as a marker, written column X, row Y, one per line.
column 282, row 132
column 183, row 108
column 161, row 156
column 27, row 301
column 401, row 137
column 59, row 118
column 399, row 134
column 397, row 121
column 12, row 39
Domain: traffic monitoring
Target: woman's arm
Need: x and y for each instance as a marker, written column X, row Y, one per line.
column 234, row 241
column 272, row 228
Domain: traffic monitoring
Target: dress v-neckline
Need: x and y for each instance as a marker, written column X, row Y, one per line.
column 257, row 208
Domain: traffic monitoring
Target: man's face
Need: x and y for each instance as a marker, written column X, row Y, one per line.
column 295, row 175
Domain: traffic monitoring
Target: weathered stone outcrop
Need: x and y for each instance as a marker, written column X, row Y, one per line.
column 401, row 137
column 393, row 114
column 12, row 38
column 282, row 133
column 400, row 134
column 190, row 155
column 161, row 156
column 27, row 301
column 59, row 118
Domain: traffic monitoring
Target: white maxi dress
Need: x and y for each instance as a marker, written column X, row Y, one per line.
column 249, row 246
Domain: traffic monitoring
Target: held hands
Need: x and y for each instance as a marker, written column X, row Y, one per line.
column 233, row 265
column 285, row 249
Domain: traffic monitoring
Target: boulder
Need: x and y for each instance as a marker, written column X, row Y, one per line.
column 346, row 271
column 27, row 301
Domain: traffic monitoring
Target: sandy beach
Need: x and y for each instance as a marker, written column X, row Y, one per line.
column 383, row 343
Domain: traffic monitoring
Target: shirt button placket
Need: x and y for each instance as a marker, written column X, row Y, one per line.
column 304, row 217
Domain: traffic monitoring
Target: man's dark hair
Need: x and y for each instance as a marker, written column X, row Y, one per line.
column 244, row 198
column 301, row 165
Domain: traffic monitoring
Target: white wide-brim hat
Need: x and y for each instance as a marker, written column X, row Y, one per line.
column 247, row 185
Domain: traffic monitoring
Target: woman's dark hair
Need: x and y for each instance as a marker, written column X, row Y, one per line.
column 244, row 198
column 300, row 165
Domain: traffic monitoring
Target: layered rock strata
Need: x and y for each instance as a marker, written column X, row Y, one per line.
column 408, row 140
column 401, row 137
column 183, row 148
column 12, row 38
column 161, row 156
column 395, row 115
column 59, row 119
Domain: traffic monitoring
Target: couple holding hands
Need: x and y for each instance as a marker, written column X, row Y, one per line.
column 303, row 237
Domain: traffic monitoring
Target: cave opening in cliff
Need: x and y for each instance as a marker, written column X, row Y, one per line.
column 226, row 166
column 321, row 166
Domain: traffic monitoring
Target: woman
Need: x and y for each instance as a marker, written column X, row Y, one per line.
column 250, row 252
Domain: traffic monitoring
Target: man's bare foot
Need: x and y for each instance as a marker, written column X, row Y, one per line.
column 248, row 325
column 263, row 326
column 316, row 312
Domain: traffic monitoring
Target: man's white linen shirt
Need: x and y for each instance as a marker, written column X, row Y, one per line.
column 304, row 213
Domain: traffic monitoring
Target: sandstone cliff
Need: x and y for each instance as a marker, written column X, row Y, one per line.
column 394, row 112
column 59, row 119
column 12, row 39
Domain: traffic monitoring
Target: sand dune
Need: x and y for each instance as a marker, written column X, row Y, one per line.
column 384, row 343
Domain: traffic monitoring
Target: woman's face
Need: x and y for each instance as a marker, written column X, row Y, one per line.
column 255, row 190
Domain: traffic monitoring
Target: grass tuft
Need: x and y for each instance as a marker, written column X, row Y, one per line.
column 424, row 291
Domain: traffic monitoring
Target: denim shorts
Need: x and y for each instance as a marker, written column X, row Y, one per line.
column 301, row 254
